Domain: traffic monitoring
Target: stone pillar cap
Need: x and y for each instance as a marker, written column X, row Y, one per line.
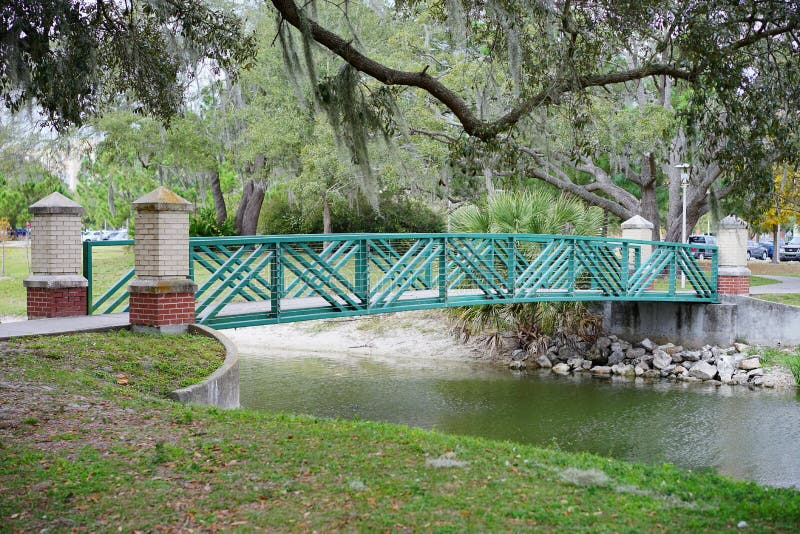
column 55, row 203
column 637, row 222
column 732, row 221
column 162, row 199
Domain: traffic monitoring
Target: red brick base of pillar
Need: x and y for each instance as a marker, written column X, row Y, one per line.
column 165, row 306
column 55, row 296
column 65, row 302
column 733, row 285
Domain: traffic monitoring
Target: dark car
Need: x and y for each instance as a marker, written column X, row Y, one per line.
column 756, row 250
column 705, row 239
column 791, row 250
column 770, row 246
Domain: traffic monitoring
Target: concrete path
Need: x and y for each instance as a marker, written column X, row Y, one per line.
column 788, row 284
column 63, row 325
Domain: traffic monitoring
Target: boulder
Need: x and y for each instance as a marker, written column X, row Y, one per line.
column 517, row 364
column 756, row 372
column 561, row 368
column 651, row 373
column 634, row 353
column 575, row 363
column 706, row 355
column 692, row 355
column 544, row 362
column 519, row 354
column 671, row 348
column 661, row 359
column 623, row 369
column 601, row 370
column 703, row 370
column 616, row 357
column 726, row 365
column 741, row 347
column 586, row 365
column 648, row 345
column 677, row 357
column 748, row 364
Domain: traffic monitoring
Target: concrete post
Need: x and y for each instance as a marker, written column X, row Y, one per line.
column 637, row 227
column 162, row 295
column 57, row 287
column 733, row 274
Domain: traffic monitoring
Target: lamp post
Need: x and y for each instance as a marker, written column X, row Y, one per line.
column 684, row 167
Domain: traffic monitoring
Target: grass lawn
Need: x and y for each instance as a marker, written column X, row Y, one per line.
column 762, row 281
column 792, row 299
column 81, row 451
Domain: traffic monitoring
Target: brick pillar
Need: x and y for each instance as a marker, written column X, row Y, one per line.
column 637, row 227
column 57, row 287
column 162, row 295
column 733, row 275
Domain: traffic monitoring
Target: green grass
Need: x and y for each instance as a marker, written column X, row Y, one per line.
column 98, row 456
column 13, row 297
column 793, row 299
column 762, row 281
column 786, row 357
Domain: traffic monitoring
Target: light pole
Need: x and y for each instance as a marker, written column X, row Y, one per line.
column 684, row 167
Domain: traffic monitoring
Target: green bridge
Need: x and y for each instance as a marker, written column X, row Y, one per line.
column 249, row 281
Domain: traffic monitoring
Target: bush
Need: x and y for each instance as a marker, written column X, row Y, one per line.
column 395, row 215
column 204, row 224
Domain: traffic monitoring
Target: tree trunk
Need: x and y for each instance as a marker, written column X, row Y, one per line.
column 219, row 200
column 250, row 208
column 326, row 215
column 776, row 235
column 649, row 201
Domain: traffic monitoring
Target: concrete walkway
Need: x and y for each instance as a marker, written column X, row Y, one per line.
column 63, row 325
column 788, row 284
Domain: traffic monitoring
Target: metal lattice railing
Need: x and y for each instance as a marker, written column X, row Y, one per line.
column 246, row 281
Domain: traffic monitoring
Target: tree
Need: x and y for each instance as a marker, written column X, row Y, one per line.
column 732, row 61
column 72, row 57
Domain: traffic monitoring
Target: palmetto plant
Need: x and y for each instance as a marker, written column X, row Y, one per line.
column 538, row 211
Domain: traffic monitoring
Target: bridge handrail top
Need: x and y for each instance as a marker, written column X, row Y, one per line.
column 541, row 238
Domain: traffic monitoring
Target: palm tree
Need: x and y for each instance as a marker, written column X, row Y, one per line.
column 539, row 211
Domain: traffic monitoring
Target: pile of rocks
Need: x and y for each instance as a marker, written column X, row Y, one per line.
column 610, row 355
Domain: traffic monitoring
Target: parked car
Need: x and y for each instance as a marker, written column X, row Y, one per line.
column 756, row 250
column 703, row 239
column 791, row 250
column 92, row 235
column 768, row 244
column 117, row 235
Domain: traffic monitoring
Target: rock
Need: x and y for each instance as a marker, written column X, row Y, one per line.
column 679, row 369
column 758, row 381
column 677, row 357
column 508, row 342
column 756, row 372
column 616, row 357
column 651, row 373
column 768, row 383
column 575, row 363
column 601, row 370
column 622, row 369
column 715, row 383
column 544, row 362
column 638, row 371
column 703, row 370
column 661, row 359
column 706, row 355
column 726, row 365
column 692, row 355
column 565, row 353
column 633, row 354
column 741, row 347
column 519, row 354
column 671, row 348
column 648, row 345
column 643, row 365
column 716, row 352
column 517, row 364
column 561, row 368
column 586, row 365
column 748, row 364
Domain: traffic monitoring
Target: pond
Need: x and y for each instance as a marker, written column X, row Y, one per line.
column 752, row 435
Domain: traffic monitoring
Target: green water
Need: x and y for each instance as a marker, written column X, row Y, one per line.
column 753, row 435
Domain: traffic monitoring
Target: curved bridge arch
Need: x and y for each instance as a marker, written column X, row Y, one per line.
column 248, row 281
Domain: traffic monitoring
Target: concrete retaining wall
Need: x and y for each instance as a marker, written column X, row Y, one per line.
column 736, row 318
column 222, row 387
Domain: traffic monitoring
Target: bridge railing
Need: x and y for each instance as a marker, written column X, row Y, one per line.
column 266, row 279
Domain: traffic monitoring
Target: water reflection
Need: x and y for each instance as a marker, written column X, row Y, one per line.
column 745, row 434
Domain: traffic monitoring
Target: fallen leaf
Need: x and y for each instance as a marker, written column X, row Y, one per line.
column 122, row 379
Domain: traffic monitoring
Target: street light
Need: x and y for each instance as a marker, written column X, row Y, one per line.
column 684, row 167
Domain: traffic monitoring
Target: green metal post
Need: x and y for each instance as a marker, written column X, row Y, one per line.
column 362, row 272
column 625, row 268
column 275, row 281
column 443, row 270
column 571, row 268
column 87, row 273
column 511, row 266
